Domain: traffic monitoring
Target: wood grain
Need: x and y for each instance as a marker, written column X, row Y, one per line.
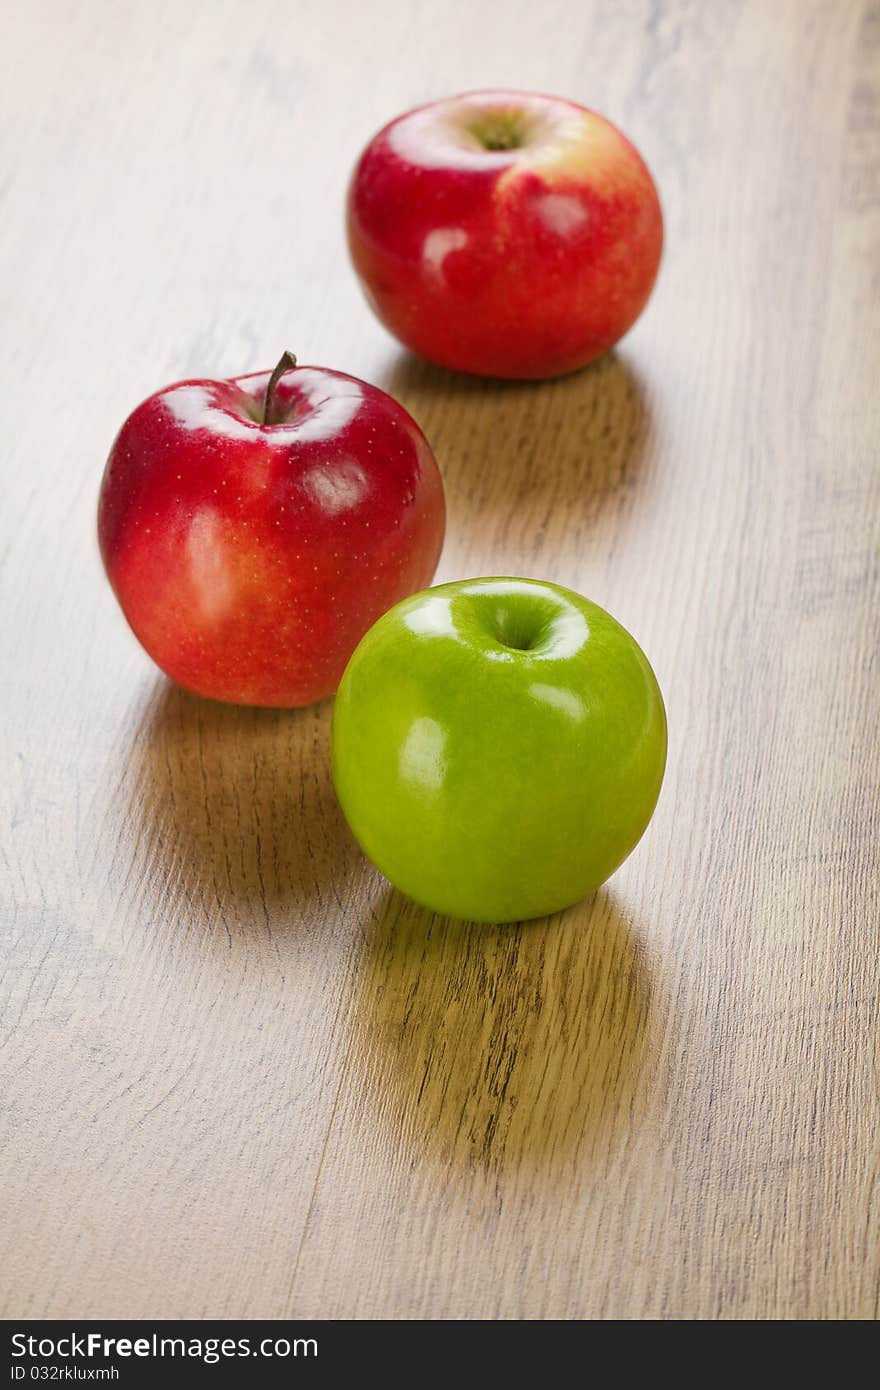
column 240, row 1075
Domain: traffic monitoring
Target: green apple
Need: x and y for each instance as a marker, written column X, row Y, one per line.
column 498, row 747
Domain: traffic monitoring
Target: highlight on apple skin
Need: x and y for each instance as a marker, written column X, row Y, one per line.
column 498, row 747
column 504, row 233
column 253, row 529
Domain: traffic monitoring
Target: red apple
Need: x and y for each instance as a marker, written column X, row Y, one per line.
column 253, row 529
column 504, row 233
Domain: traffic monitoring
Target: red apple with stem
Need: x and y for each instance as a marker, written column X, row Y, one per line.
column 505, row 233
column 254, row 529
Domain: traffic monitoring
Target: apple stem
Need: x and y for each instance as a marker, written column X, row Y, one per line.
column 286, row 363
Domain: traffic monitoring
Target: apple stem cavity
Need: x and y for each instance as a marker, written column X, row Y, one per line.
column 498, row 131
column 286, row 363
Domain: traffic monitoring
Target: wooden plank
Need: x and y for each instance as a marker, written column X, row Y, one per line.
column 240, row 1075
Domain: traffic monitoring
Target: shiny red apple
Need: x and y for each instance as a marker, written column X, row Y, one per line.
column 504, row 233
column 254, row 529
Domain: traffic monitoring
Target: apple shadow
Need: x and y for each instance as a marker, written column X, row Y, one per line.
column 532, row 1048
column 236, row 812
column 533, row 470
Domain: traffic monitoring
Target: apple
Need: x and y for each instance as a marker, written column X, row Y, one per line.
column 504, row 233
column 498, row 747
column 254, row 529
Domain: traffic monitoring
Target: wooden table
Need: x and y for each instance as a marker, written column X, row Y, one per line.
column 240, row 1075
